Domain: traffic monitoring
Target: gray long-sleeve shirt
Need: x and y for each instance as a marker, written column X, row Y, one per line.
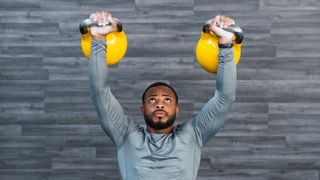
column 146, row 156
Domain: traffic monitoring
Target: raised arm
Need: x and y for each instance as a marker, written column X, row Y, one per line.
column 110, row 113
column 212, row 116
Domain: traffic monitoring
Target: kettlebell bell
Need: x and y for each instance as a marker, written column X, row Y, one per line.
column 116, row 41
column 207, row 49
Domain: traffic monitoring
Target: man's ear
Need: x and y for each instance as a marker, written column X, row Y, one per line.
column 177, row 110
column 142, row 109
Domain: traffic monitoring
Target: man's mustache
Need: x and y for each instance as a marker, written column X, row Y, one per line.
column 154, row 112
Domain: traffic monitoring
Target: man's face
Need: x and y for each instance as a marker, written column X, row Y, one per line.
column 160, row 107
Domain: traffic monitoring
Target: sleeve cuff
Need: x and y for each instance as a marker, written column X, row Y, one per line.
column 99, row 43
column 226, row 54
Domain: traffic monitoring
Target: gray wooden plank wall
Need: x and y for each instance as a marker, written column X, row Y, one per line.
column 48, row 126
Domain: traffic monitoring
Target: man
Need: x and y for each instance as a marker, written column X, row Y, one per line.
column 160, row 151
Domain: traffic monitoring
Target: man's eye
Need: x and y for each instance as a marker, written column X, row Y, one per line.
column 167, row 100
column 152, row 100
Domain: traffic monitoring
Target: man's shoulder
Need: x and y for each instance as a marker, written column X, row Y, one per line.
column 184, row 127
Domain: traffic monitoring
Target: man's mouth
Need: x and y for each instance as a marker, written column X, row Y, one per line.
column 160, row 113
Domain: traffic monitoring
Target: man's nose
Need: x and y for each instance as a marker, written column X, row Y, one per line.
column 159, row 105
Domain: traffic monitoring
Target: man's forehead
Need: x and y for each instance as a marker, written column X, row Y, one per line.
column 159, row 89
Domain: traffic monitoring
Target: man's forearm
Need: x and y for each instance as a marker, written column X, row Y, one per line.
column 226, row 76
column 212, row 116
column 110, row 113
column 98, row 70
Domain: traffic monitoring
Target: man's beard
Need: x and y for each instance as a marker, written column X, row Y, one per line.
column 159, row 125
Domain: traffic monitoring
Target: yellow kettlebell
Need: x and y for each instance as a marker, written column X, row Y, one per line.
column 116, row 42
column 207, row 49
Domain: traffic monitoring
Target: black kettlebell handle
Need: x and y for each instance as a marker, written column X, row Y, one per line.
column 83, row 27
column 236, row 30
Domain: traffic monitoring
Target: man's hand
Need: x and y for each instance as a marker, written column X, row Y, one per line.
column 107, row 23
column 216, row 26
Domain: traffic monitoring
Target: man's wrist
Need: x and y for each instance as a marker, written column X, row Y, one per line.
column 99, row 38
column 226, row 45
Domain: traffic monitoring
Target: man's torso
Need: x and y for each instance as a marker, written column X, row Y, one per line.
column 144, row 155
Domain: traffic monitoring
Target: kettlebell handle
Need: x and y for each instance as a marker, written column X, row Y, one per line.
column 236, row 30
column 83, row 27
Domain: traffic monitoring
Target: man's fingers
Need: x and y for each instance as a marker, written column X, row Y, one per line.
column 99, row 15
column 232, row 21
column 229, row 21
column 105, row 22
column 214, row 22
column 113, row 22
column 110, row 19
column 100, row 18
column 106, row 16
column 226, row 21
column 104, row 19
column 93, row 17
column 222, row 21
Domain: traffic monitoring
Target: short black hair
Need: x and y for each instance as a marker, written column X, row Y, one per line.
column 159, row 84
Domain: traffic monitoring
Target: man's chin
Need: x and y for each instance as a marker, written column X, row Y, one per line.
column 159, row 123
column 160, row 119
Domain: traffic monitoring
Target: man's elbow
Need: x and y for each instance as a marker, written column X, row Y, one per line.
column 232, row 97
column 229, row 98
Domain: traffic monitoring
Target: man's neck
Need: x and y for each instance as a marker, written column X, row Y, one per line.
column 160, row 131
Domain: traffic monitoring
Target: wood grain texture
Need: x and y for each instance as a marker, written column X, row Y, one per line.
column 49, row 127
